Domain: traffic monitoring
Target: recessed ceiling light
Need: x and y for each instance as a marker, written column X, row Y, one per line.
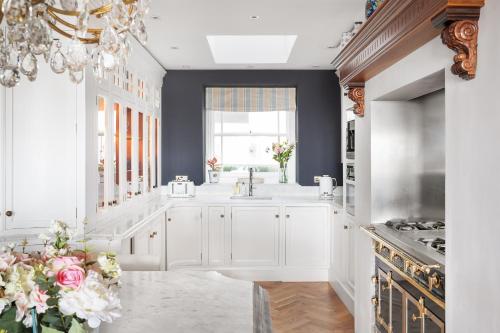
column 251, row 49
column 155, row 17
column 316, row 66
column 174, row 47
column 332, row 46
column 254, row 17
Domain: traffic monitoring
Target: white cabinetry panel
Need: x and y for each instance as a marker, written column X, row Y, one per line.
column 41, row 152
column 255, row 236
column 216, row 233
column 184, row 237
column 307, row 236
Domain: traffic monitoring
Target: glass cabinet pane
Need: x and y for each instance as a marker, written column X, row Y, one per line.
column 129, row 153
column 157, row 148
column 116, row 157
column 101, row 150
column 148, row 159
column 141, row 153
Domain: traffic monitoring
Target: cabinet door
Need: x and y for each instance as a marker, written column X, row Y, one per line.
column 40, row 160
column 339, row 252
column 255, row 236
column 216, row 231
column 350, row 248
column 306, row 232
column 157, row 237
column 184, row 237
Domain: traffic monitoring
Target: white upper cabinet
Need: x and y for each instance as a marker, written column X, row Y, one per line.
column 307, row 239
column 216, row 235
column 40, row 152
column 255, row 236
column 184, row 237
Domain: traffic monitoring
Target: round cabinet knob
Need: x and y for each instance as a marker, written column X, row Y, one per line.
column 346, row 227
column 277, row 216
column 335, row 212
column 169, row 219
column 287, row 216
column 222, row 216
column 9, row 213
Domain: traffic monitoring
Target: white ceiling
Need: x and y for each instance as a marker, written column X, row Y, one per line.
column 185, row 24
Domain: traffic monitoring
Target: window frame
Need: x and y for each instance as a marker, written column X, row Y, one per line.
column 269, row 177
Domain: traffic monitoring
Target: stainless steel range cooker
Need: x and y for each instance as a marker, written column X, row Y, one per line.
column 410, row 275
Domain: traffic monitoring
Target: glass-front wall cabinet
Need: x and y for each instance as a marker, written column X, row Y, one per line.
column 127, row 151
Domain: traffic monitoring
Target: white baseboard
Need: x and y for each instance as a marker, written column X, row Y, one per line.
column 345, row 294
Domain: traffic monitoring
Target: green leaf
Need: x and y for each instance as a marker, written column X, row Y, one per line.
column 46, row 329
column 8, row 322
column 76, row 327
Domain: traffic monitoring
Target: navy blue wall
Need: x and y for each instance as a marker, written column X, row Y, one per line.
column 319, row 119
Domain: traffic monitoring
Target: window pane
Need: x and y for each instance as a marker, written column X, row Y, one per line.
column 217, row 119
column 248, row 122
column 247, row 150
column 284, row 123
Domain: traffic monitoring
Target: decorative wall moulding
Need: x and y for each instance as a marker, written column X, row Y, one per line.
column 399, row 27
column 356, row 93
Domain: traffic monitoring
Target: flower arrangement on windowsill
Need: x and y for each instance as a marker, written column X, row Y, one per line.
column 282, row 154
column 58, row 289
column 213, row 173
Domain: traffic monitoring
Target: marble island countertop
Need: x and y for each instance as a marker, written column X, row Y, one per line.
column 132, row 218
column 185, row 301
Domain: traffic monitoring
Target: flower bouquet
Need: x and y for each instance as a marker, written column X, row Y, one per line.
column 282, row 154
column 58, row 289
column 213, row 173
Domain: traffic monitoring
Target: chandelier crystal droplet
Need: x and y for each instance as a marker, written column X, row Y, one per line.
column 30, row 30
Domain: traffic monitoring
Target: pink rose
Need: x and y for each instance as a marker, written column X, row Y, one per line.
column 71, row 277
column 63, row 262
column 40, row 297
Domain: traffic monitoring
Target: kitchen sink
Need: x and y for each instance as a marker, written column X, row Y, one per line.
column 246, row 197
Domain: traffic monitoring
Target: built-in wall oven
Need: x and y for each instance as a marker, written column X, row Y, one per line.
column 350, row 140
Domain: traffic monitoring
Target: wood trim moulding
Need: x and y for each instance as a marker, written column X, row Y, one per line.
column 399, row 27
column 356, row 93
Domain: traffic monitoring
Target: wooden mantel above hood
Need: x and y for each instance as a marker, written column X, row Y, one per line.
column 398, row 28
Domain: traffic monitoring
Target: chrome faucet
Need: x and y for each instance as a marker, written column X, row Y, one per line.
column 250, row 182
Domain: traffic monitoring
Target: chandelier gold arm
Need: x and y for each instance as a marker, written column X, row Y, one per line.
column 94, row 31
column 95, row 12
column 70, row 36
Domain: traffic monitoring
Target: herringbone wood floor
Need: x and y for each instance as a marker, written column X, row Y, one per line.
column 307, row 308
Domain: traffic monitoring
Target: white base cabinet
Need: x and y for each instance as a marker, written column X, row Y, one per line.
column 307, row 236
column 184, row 237
column 266, row 242
column 255, row 236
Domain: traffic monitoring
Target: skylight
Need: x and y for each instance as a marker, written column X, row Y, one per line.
column 251, row 49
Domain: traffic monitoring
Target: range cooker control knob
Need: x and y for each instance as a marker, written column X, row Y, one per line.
column 374, row 301
column 434, row 281
column 374, row 280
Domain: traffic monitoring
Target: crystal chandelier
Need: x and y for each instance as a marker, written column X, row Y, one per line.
column 98, row 33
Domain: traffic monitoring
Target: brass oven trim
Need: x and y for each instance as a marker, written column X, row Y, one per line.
column 415, row 284
column 388, row 279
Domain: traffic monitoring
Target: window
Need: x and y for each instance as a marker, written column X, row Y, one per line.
column 241, row 140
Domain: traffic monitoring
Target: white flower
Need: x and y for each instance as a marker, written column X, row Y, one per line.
column 93, row 302
column 109, row 265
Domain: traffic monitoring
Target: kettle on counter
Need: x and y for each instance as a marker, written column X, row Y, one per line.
column 327, row 185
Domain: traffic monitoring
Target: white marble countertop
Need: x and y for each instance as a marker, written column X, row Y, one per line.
column 182, row 302
column 132, row 218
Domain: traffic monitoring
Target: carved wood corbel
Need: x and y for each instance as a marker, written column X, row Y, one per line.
column 461, row 37
column 356, row 94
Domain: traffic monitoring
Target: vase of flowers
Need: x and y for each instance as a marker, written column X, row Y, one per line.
column 282, row 154
column 58, row 289
column 213, row 173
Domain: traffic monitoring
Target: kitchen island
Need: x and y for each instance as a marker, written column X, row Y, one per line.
column 187, row 301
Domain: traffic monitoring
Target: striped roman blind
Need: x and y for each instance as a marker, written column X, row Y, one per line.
column 250, row 99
